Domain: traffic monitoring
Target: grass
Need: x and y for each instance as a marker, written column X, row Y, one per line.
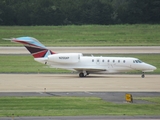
column 153, row 100
column 26, row 64
column 72, row 106
column 86, row 35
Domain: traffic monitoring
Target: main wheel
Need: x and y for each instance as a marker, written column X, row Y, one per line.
column 81, row 75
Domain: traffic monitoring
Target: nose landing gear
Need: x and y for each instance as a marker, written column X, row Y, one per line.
column 143, row 75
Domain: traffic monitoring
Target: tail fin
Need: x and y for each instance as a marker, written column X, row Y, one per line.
column 37, row 49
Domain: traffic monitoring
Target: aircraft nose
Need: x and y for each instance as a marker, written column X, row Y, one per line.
column 149, row 68
column 152, row 67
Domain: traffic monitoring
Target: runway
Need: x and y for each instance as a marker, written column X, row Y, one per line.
column 90, row 50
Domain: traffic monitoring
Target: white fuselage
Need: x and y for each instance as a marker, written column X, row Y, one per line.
column 91, row 64
column 82, row 64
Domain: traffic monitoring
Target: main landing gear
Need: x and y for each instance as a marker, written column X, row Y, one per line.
column 83, row 74
column 143, row 75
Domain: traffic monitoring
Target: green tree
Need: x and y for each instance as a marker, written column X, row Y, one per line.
column 63, row 12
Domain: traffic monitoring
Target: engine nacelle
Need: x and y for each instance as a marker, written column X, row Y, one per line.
column 66, row 58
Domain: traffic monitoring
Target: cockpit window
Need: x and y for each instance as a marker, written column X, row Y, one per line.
column 137, row 61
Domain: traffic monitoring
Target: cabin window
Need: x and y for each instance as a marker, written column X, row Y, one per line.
column 108, row 60
column 133, row 61
column 113, row 61
column 92, row 60
column 102, row 60
column 118, row 61
column 124, row 61
column 97, row 60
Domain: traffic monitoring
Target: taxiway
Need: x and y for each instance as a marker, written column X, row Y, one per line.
column 71, row 82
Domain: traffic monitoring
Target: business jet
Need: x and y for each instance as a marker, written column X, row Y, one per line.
column 84, row 65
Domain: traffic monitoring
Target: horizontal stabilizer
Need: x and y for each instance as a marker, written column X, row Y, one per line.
column 7, row 39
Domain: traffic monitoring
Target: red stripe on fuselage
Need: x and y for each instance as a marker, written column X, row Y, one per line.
column 40, row 54
column 52, row 52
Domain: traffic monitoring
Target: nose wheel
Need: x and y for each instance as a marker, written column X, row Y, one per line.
column 143, row 75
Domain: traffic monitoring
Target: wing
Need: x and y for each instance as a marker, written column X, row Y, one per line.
column 89, row 69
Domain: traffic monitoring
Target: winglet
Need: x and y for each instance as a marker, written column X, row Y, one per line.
column 8, row 39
